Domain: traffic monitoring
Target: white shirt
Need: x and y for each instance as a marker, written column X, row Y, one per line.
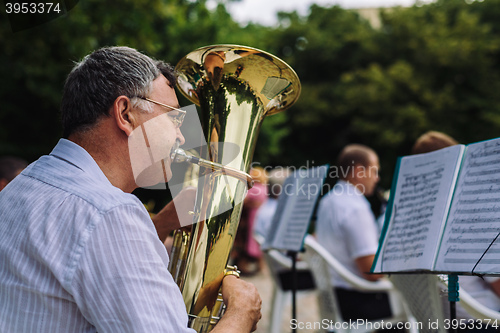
column 79, row 255
column 480, row 291
column 346, row 227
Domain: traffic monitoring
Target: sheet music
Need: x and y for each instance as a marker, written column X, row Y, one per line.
column 474, row 220
column 295, row 207
column 423, row 193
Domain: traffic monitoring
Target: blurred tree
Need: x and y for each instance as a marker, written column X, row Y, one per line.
column 320, row 47
column 438, row 70
column 427, row 67
column 35, row 62
column 434, row 66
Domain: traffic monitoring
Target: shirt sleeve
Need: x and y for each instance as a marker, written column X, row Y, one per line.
column 122, row 283
column 361, row 233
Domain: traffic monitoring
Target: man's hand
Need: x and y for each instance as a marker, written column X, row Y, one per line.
column 176, row 213
column 243, row 306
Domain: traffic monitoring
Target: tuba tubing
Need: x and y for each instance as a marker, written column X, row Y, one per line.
column 235, row 88
column 179, row 155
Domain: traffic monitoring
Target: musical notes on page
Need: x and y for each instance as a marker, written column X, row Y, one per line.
column 295, row 207
column 419, row 208
column 470, row 239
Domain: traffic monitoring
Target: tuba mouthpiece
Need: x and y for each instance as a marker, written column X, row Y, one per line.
column 178, row 155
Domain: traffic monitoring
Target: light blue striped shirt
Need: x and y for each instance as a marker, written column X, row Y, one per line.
column 79, row 255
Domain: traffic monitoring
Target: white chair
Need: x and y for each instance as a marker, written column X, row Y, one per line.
column 280, row 266
column 426, row 297
column 423, row 294
column 320, row 262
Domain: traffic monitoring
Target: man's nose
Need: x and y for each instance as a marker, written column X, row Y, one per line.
column 180, row 137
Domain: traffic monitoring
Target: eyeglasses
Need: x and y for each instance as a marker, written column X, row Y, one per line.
column 176, row 119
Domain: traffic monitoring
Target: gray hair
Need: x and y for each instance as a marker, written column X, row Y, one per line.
column 102, row 76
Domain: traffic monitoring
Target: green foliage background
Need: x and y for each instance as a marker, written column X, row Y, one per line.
column 430, row 67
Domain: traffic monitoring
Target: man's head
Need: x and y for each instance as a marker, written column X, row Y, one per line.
column 10, row 167
column 101, row 77
column 431, row 141
column 276, row 179
column 115, row 95
column 359, row 165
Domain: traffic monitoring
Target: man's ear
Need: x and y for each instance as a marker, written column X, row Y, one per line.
column 124, row 115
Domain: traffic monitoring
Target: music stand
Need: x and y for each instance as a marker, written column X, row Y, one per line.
column 453, row 298
column 290, row 222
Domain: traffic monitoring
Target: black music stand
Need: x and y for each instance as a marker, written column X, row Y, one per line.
column 293, row 214
column 453, row 298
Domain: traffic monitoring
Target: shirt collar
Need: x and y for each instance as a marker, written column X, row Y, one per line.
column 76, row 155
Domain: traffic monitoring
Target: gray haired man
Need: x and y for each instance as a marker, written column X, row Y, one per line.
column 78, row 251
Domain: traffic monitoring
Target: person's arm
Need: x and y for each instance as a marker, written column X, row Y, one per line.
column 243, row 307
column 364, row 265
column 495, row 286
column 362, row 240
column 176, row 213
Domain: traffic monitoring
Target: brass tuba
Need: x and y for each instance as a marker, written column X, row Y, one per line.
column 235, row 87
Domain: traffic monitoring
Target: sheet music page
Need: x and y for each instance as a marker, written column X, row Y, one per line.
column 295, row 207
column 474, row 219
column 419, row 208
column 281, row 208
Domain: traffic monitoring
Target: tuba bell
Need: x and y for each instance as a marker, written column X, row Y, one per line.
column 234, row 87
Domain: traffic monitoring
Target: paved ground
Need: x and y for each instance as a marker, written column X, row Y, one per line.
column 307, row 310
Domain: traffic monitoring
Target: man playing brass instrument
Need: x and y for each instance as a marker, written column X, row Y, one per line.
column 78, row 252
